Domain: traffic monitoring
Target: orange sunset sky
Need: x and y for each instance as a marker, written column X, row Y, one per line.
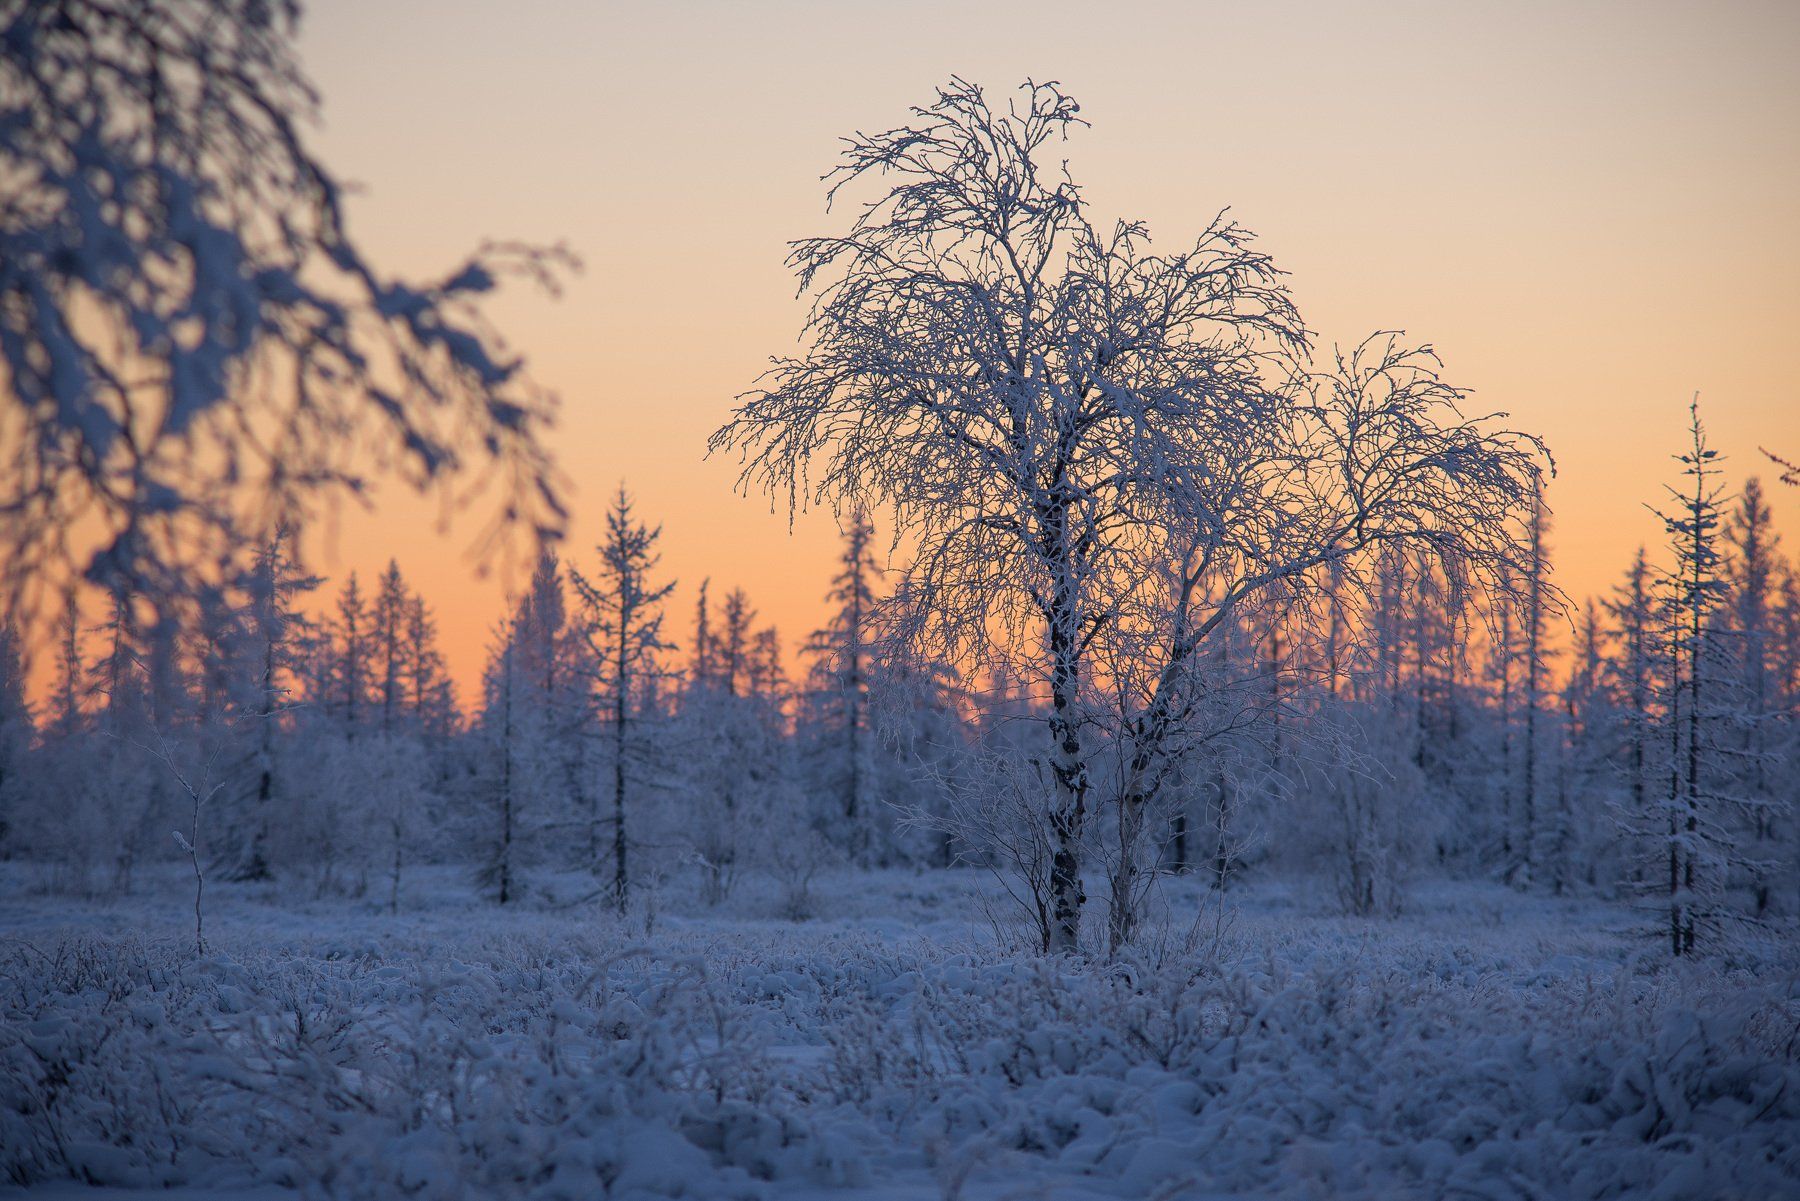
column 1593, row 210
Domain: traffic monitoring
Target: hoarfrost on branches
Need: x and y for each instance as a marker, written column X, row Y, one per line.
column 193, row 346
column 1056, row 413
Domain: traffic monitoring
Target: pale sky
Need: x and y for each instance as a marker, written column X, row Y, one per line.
column 1593, row 210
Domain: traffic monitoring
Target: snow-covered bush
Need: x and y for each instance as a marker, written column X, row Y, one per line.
column 1482, row 1044
column 1361, row 812
column 1339, row 1081
column 530, row 1073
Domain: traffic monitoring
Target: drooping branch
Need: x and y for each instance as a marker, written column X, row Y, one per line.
column 193, row 346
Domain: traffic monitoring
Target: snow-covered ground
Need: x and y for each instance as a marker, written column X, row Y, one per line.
column 1486, row 1045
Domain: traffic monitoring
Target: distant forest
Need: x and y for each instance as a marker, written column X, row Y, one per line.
column 1642, row 743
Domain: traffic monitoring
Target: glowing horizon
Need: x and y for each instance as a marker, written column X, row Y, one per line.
column 1592, row 212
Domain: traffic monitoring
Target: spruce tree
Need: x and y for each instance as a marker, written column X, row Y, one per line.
column 840, row 673
column 624, row 632
column 278, row 635
column 1748, row 621
column 1632, row 608
column 387, row 620
column 16, row 734
column 1700, row 850
column 352, row 645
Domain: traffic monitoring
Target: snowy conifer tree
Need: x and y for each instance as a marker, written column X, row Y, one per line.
column 1634, row 673
column 1698, row 840
column 351, row 659
column 1747, row 625
column 839, row 687
column 499, row 841
column 17, row 732
column 278, row 634
column 624, row 633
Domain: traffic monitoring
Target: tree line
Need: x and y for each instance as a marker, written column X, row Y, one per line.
column 1641, row 745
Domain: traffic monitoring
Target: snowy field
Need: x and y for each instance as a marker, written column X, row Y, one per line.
column 1485, row 1045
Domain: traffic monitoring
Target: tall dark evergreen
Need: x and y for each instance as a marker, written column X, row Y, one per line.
column 65, row 703
column 1633, row 669
column 733, row 648
column 350, row 658
column 387, row 621
column 1748, row 624
column 502, row 685
column 430, row 694
column 1699, row 838
column 278, row 634
column 624, row 631
column 17, row 732
column 840, row 672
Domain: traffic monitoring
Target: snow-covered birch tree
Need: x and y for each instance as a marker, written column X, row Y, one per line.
column 1055, row 412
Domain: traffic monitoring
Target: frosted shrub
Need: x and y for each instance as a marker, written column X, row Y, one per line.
column 98, row 818
column 1174, row 1080
column 1360, row 811
column 531, row 1075
column 373, row 1062
column 794, row 855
